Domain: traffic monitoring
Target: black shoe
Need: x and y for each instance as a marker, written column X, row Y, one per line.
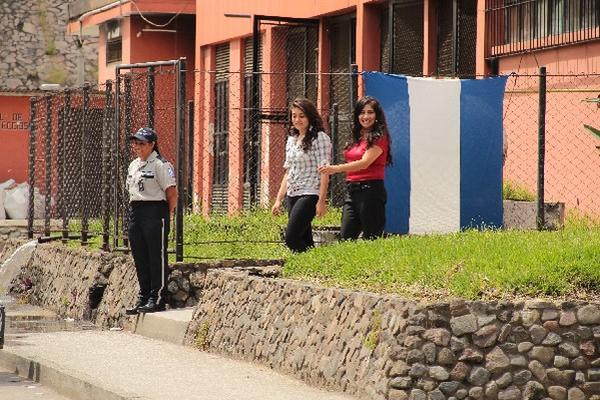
column 151, row 306
column 135, row 309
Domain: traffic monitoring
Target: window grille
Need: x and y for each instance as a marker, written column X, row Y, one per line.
column 516, row 26
column 114, row 42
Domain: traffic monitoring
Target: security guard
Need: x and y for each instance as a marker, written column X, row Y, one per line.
column 152, row 198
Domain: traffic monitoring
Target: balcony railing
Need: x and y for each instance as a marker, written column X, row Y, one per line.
column 516, row 26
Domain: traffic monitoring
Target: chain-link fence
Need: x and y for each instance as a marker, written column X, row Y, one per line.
column 79, row 152
column 570, row 162
column 243, row 148
column 66, row 160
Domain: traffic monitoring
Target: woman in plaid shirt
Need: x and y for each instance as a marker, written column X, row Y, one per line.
column 303, row 187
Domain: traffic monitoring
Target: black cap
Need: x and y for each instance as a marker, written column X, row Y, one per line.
column 145, row 135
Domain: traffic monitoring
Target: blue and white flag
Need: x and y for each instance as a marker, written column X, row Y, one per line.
column 446, row 149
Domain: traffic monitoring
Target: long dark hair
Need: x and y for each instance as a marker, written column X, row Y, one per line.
column 156, row 148
column 315, row 123
column 379, row 129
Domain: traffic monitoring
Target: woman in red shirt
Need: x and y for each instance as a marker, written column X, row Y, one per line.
column 366, row 158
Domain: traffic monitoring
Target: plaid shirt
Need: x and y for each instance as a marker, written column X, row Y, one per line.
column 303, row 175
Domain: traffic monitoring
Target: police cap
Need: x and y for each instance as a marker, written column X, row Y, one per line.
column 145, row 135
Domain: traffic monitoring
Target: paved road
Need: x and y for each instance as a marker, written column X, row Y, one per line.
column 13, row 387
column 132, row 367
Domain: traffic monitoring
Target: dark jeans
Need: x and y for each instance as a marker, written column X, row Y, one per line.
column 148, row 237
column 301, row 211
column 364, row 210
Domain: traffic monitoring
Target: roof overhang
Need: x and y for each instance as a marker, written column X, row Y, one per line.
column 86, row 15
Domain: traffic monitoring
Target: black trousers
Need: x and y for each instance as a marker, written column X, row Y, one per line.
column 301, row 211
column 148, row 237
column 364, row 210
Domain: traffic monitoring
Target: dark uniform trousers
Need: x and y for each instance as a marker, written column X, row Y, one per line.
column 364, row 210
column 148, row 237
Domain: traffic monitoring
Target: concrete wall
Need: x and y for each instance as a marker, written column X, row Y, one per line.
column 12, row 230
column 14, row 136
column 573, row 59
column 373, row 346
column 142, row 45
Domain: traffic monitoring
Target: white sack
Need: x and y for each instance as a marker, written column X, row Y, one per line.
column 7, row 184
column 2, row 212
column 16, row 202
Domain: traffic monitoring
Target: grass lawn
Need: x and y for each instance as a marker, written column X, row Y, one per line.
column 472, row 264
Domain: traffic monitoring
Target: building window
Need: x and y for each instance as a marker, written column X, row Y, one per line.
column 521, row 25
column 114, row 42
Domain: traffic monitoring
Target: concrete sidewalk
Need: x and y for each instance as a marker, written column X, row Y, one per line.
column 13, row 387
column 101, row 365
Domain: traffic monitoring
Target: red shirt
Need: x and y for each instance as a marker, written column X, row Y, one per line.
column 377, row 168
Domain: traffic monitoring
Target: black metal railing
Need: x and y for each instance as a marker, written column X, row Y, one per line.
column 516, row 26
column 78, row 152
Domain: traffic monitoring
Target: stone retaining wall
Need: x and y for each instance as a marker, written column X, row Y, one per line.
column 375, row 347
column 8, row 232
column 98, row 286
column 36, row 47
column 332, row 338
column 386, row 348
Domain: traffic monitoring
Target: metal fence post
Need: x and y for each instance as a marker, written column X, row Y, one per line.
column 181, row 86
column 150, row 94
column 334, row 139
column 353, row 85
column 60, row 175
column 541, row 149
column 391, row 39
column 48, row 162
column 106, row 167
column 190, row 155
column 65, row 195
column 84, row 152
column 117, row 190
column 253, row 165
column 128, row 132
column 2, row 325
column 31, row 174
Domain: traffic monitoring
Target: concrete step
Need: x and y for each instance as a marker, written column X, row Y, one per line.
column 168, row 326
column 24, row 318
column 30, row 313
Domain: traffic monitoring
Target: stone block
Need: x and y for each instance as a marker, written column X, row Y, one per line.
column 438, row 336
column 575, row 394
column 589, row 315
column 486, row 336
column 438, row 373
column 395, row 394
column 463, row 324
column 523, row 215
